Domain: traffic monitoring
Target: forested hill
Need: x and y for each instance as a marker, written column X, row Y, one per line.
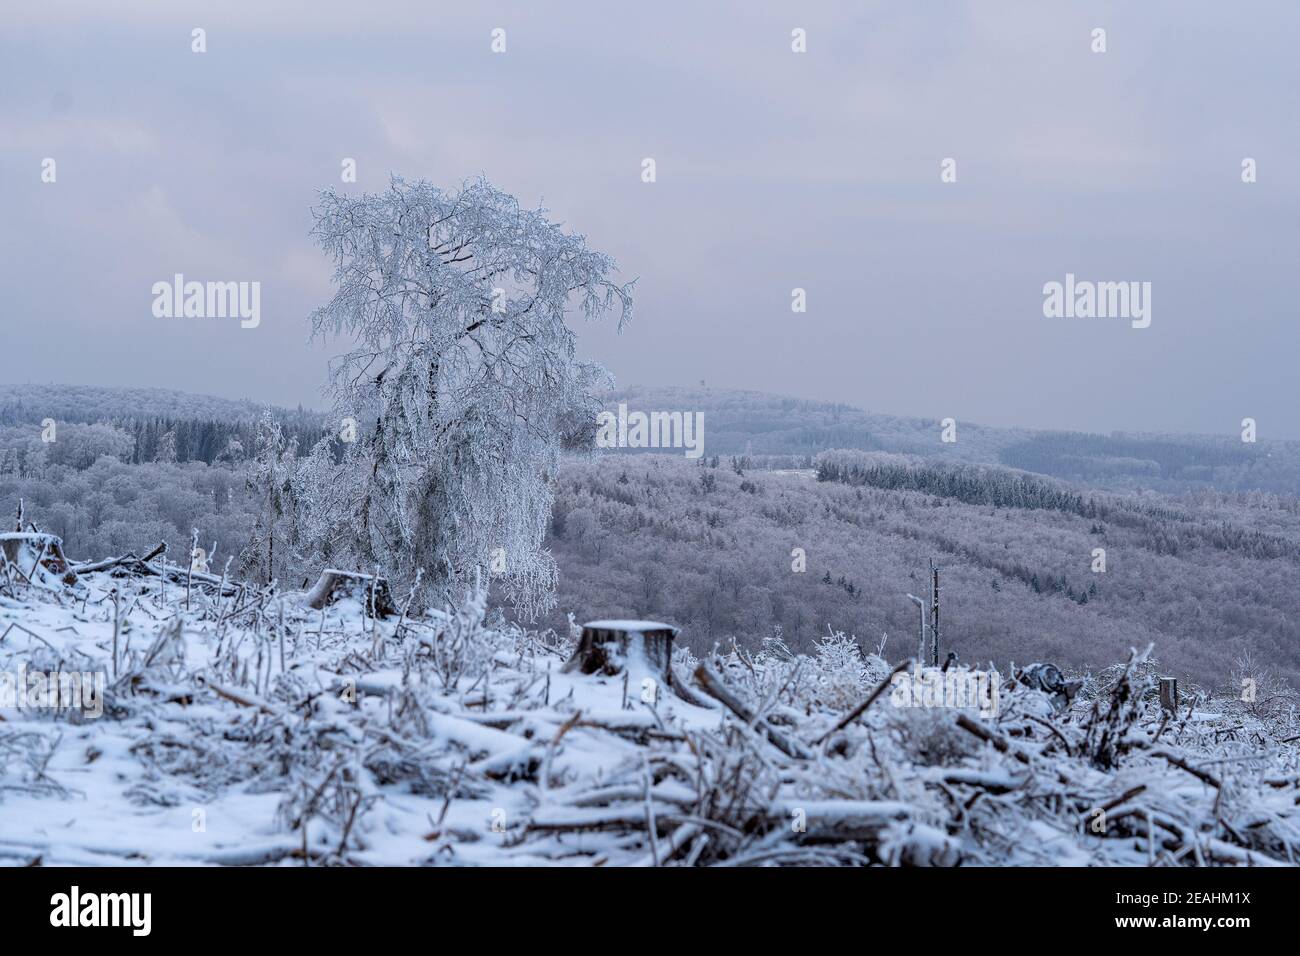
column 33, row 402
column 141, row 425
column 1208, row 575
column 755, row 423
column 1210, row 578
column 736, row 423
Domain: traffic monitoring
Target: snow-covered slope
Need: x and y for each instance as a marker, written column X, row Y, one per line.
column 239, row 727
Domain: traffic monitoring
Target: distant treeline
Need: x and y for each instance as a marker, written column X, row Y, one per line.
column 1152, row 461
column 757, row 424
column 164, row 425
column 206, row 441
column 32, row 403
column 139, row 442
column 1165, row 529
column 970, row 484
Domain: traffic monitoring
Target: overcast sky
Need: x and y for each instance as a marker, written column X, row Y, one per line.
column 775, row 170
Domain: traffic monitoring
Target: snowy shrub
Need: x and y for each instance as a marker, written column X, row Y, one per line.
column 1264, row 693
column 841, row 674
column 929, row 738
column 25, row 756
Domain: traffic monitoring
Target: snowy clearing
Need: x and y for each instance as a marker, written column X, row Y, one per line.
column 251, row 729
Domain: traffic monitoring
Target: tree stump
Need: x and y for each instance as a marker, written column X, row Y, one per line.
column 639, row 648
column 35, row 558
column 366, row 588
column 1169, row 694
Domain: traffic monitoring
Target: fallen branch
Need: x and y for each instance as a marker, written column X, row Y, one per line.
column 713, row 684
column 1202, row 775
column 862, row 707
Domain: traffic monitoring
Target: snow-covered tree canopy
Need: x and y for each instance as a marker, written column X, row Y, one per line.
column 462, row 375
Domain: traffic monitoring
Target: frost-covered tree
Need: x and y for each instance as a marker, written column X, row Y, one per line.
column 80, row 446
column 166, row 448
column 462, row 374
column 323, row 495
column 271, row 486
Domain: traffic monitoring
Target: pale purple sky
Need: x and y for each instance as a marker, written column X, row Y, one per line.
column 775, row 170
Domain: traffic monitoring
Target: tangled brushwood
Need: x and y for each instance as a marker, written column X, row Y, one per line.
column 242, row 726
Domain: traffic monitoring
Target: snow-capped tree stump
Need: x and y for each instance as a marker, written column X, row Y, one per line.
column 641, row 648
column 371, row 592
column 35, row 558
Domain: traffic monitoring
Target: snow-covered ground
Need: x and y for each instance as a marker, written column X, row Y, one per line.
column 250, row 729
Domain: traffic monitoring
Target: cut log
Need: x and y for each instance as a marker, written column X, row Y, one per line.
column 640, row 648
column 130, row 558
column 334, row 585
column 132, row 564
column 683, row 689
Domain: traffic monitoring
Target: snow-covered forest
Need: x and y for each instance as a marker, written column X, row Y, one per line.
column 1210, row 578
column 706, row 545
